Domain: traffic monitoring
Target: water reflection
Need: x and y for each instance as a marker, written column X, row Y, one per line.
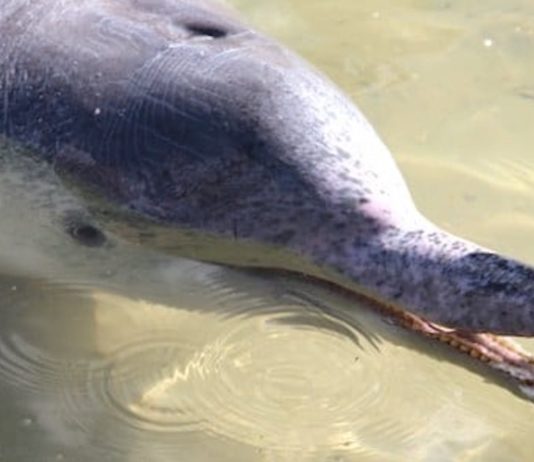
column 243, row 364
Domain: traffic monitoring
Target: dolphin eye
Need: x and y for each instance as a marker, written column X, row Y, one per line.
column 86, row 234
column 206, row 30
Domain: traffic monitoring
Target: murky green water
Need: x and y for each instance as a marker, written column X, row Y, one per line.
column 119, row 354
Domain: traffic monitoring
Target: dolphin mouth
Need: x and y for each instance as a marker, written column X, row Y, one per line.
column 500, row 353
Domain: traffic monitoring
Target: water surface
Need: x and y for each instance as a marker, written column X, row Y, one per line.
column 121, row 354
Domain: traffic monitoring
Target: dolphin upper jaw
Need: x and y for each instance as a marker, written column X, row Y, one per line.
column 436, row 276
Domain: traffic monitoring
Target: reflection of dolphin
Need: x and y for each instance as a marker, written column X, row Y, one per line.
column 182, row 117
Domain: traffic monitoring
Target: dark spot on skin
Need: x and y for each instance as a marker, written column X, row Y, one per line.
column 496, row 287
column 206, row 30
column 166, row 174
column 86, row 234
column 327, row 216
column 493, row 261
column 344, row 154
column 358, row 242
column 398, row 294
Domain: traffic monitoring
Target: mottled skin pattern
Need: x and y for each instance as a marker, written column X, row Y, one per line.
column 181, row 114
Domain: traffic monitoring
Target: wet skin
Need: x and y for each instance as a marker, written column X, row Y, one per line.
column 179, row 114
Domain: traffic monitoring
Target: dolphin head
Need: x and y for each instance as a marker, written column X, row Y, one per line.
column 182, row 116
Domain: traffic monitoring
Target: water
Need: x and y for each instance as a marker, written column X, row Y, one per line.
column 120, row 354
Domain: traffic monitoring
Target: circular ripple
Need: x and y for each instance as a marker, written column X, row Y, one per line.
column 25, row 366
column 146, row 369
column 298, row 373
column 30, row 340
column 292, row 379
column 278, row 384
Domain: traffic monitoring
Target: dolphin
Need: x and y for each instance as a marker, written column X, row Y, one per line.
column 175, row 119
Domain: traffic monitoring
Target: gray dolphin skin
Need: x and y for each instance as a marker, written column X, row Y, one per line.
column 179, row 114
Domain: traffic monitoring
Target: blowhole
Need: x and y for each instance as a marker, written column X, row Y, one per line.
column 206, row 30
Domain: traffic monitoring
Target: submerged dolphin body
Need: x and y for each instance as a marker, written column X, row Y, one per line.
column 181, row 115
